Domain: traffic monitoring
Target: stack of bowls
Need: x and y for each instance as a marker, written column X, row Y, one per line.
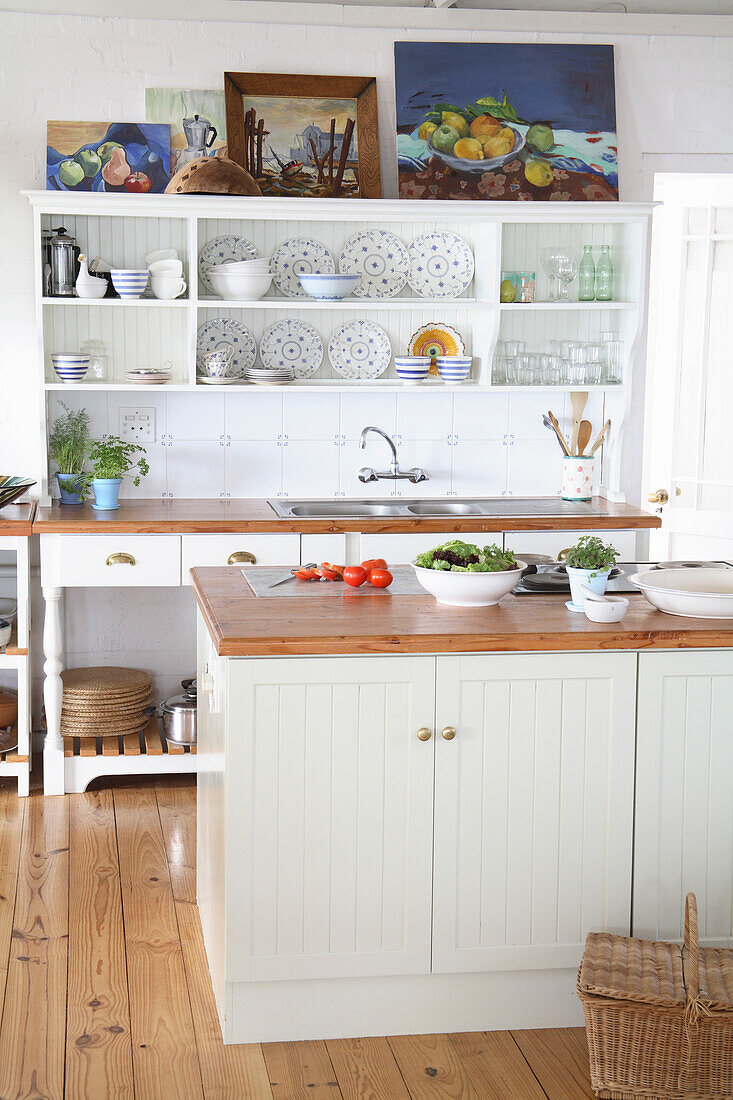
column 129, row 282
column 454, row 368
column 241, row 280
column 412, row 369
column 269, row 376
column 70, row 366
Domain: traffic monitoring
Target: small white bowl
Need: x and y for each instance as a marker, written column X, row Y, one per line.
column 8, row 608
column 468, row 589
column 328, row 288
column 160, row 254
column 6, row 629
column 241, row 286
column 610, row 610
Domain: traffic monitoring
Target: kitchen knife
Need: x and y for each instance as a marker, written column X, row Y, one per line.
column 291, row 575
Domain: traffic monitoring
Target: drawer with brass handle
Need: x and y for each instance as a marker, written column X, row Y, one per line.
column 111, row 561
column 120, row 558
column 245, row 548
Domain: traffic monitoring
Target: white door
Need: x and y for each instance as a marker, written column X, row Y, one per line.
column 331, row 875
column 533, row 807
column 684, row 794
column 688, row 443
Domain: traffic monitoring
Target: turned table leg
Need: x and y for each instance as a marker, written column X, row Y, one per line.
column 53, row 691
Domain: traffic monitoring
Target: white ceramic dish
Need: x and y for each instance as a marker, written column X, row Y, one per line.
column 379, row 259
column 609, row 610
column 222, row 250
column 468, row 589
column 225, row 330
column 299, row 256
column 329, row 288
column 6, row 629
column 129, row 282
column 292, row 344
column 441, row 265
column 8, row 608
column 239, row 285
column 691, row 593
column 360, row 350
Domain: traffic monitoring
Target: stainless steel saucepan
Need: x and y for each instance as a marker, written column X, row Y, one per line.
column 177, row 715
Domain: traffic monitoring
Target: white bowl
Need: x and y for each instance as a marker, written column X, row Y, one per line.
column 242, row 265
column 468, row 589
column 240, row 286
column 610, row 610
column 8, row 608
column 692, row 593
column 327, row 287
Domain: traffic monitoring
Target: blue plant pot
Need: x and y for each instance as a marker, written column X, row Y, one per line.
column 67, row 482
column 106, row 492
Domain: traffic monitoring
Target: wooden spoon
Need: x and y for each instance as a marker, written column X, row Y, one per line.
column 561, row 438
column 584, row 433
column 578, row 400
column 599, row 438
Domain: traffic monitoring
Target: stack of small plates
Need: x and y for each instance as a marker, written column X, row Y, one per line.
column 269, row 376
column 148, row 377
column 104, row 702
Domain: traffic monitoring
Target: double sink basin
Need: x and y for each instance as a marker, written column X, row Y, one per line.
column 486, row 506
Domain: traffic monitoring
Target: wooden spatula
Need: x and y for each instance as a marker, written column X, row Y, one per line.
column 584, row 433
column 578, row 400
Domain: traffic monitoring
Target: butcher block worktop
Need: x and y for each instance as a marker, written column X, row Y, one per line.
column 17, row 519
column 370, row 621
column 204, row 516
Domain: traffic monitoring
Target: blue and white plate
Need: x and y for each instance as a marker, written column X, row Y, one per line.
column 218, row 333
column 441, row 265
column 224, row 250
column 360, row 350
column 379, row 259
column 293, row 344
column 298, row 256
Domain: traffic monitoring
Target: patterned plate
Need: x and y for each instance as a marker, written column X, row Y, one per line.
column 379, row 259
column 224, row 330
column 436, row 339
column 441, row 265
column 360, row 350
column 293, row 344
column 221, row 251
column 299, row 254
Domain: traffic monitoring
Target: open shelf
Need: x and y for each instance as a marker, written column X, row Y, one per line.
column 149, row 742
column 560, row 306
column 349, row 304
column 120, row 303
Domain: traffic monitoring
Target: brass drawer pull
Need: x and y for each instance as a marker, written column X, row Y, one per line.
column 449, row 733
column 241, row 557
column 424, row 734
column 121, row 558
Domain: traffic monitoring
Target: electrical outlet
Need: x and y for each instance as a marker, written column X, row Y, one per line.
column 137, row 425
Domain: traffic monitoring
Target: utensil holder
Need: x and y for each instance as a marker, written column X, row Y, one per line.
column 577, row 477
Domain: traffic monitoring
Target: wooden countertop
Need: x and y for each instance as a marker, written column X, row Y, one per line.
column 231, row 516
column 377, row 622
column 17, row 519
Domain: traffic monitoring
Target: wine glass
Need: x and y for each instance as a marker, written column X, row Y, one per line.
column 566, row 269
column 548, row 265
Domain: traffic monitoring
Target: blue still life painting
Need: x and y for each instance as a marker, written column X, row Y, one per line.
column 125, row 157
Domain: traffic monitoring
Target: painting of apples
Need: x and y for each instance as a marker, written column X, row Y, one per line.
column 126, row 157
column 506, row 120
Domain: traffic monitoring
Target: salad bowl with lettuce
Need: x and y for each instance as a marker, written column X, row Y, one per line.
column 463, row 575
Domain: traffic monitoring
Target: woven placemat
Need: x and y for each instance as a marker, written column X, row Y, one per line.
column 104, row 729
column 104, row 680
column 106, row 709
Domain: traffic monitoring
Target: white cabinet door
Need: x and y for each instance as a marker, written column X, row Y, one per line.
column 683, row 838
column 331, row 872
column 533, row 807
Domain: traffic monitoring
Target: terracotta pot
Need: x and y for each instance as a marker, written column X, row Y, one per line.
column 8, row 708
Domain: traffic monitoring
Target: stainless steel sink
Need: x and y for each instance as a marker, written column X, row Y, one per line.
column 443, row 508
column 398, row 506
column 339, row 509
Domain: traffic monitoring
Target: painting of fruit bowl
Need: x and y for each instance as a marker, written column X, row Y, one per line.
column 507, row 121
column 125, row 157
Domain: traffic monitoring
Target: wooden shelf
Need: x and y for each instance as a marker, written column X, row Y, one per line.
column 149, row 742
column 12, row 649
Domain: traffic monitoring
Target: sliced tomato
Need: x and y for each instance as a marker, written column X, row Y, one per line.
column 305, row 574
column 327, row 574
column 333, row 568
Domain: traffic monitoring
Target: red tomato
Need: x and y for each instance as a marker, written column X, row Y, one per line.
column 355, row 575
column 380, row 578
column 373, row 563
column 138, row 183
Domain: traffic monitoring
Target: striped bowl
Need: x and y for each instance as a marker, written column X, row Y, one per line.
column 70, row 367
column 454, row 368
column 412, row 369
column 129, row 283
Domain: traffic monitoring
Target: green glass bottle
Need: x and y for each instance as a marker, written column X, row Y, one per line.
column 604, row 276
column 587, row 276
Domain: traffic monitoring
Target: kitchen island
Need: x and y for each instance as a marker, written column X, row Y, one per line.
column 410, row 815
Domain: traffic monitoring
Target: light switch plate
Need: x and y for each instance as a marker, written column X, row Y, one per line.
column 137, row 424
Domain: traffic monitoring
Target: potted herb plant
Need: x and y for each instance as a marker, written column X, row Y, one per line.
column 113, row 459
column 589, row 564
column 67, row 445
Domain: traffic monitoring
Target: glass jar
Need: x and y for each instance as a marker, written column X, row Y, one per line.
column 97, row 353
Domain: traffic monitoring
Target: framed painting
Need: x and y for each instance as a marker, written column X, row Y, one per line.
column 506, row 121
column 196, row 118
column 132, row 157
column 314, row 136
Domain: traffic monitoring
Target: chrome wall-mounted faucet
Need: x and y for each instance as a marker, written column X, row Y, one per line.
column 367, row 474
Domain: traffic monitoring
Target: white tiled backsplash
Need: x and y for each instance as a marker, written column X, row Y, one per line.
column 284, row 443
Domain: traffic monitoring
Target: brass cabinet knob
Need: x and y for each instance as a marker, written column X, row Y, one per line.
column 660, row 497
column 121, row 558
column 241, row 557
column 563, row 554
column 449, row 733
column 424, row 734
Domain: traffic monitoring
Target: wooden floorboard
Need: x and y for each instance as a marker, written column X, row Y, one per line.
column 101, row 887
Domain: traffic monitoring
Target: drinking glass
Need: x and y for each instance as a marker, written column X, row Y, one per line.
column 553, row 370
column 612, row 367
column 498, row 372
column 566, row 269
column 525, row 367
column 547, row 256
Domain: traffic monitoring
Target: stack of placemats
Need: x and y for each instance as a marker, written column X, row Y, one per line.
column 104, row 702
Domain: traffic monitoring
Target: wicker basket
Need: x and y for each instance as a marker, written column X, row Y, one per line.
column 659, row 1020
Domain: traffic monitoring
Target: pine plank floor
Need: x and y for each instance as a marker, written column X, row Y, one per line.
column 105, row 993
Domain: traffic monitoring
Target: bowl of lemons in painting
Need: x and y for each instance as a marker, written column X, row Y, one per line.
column 477, row 138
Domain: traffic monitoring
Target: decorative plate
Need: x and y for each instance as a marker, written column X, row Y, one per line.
column 293, row 344
column 224, row 330
column 299, row 254
column 218, row 381
column 441, row 265
column 360, row 350
column 223, row 250
column 379, row 259
column 436, row 339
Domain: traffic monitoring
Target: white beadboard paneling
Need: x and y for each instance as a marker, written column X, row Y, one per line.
column 534, row 467
column 424, row 415
column 197, row 468
column 334, row 868
column 533, row 807
column 684, row 810
column 254, row 469
column 479, row 468
column 480, row 415
column 360, row 409
column 310, row 415
column 311, row 468
column 191, row 418
column 255, row 414
column 123, row 242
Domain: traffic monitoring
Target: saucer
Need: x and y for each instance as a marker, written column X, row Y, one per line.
column 574, row 607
